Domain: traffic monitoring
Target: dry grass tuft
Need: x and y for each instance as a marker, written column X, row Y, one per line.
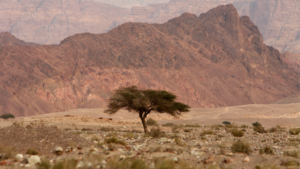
column 237, row 133
column 115, row 141
column 241, row 147
column 294, row 131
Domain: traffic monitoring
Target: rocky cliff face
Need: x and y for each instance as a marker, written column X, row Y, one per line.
column 278, row 21
column 216, row 59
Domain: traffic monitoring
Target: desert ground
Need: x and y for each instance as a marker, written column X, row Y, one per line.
column 89, row 138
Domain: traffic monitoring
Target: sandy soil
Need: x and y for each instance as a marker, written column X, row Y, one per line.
column 287, row 115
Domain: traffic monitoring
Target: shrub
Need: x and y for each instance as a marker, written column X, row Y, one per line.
column 7, row 152
column 289, row 163
column 32, row 151
column 244, row 126
column 187, row 130
column 259, row 129
column 291, row 153
column 65, row 164
column 237, row 133
column 294, row 142
column 294, row 131
column 179, row 142
column 156, row 132
column 256, row 124
column 114, row 140
column 226, row 122
column 168, row 125
column 7, row 116
column 266, row 150
column 193, row 125
column 205, row 132
column 44, row 165
column 241, row 147
column 231, row 126
column 152, row 122
column 175, row 129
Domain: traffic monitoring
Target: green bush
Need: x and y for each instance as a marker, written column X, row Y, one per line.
column 44, row 165
column 226, row 122
column 152, row 122
column 241, row 147
column 7, row 116
column 256, row 124
column 294, row 131
column 237, row 133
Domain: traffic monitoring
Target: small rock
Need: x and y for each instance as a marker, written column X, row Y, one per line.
column 230, row 154
column 58, row 150
column 105, row 147
column 175, row 159
column 79, row 164
column 95, row 142
column 33, row 160
column 246, row 159
column 19, row 157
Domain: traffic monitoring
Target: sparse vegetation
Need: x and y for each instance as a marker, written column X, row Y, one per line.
column 294, row 131
column 292, row 153
column 152, row 122
column 6, row 151
column 257, row 127
column 156, row 132
column 7, row 116
column 266, row 150
column 145, row 101
column 32, row 151
column 179, row 142
column 193, row 125
column 205, row 132
column 114, row 140
column 237, row 133
column 168, row 125
column 226, row 122
column 241, row 147
column 289, row 163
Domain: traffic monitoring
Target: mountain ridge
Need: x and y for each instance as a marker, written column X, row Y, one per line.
column 216, row 59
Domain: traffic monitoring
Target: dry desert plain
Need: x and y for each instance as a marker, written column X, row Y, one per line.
column 89, row 138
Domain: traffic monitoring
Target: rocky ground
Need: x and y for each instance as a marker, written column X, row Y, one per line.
column 113, row 144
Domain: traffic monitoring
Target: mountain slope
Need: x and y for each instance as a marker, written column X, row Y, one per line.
column 216, row 59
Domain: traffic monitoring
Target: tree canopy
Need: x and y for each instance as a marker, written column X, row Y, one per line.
column 144, row 102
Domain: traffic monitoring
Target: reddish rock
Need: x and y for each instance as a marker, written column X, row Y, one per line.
column 216, row 59
column 6, row 163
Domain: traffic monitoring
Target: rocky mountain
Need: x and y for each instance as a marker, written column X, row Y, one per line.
column 278, row 21
column 50, row 21
column 216, row 59
column 7, row 39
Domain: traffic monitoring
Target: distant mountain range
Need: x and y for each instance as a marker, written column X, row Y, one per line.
column 50, row 21
column 215, row 59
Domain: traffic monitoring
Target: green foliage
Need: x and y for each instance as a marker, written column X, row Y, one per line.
column 256, row 124
column 114, row 140
column 226, row 122
column 144, row 102
column 241, row 147
column 237, row 133
column 193, row 125
column 294, row 131
column 152, row 122
column 32, row 151
column 7, row 116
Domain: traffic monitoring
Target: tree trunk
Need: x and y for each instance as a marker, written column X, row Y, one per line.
column 144, row 124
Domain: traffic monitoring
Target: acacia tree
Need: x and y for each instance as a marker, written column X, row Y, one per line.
column 144, row 102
